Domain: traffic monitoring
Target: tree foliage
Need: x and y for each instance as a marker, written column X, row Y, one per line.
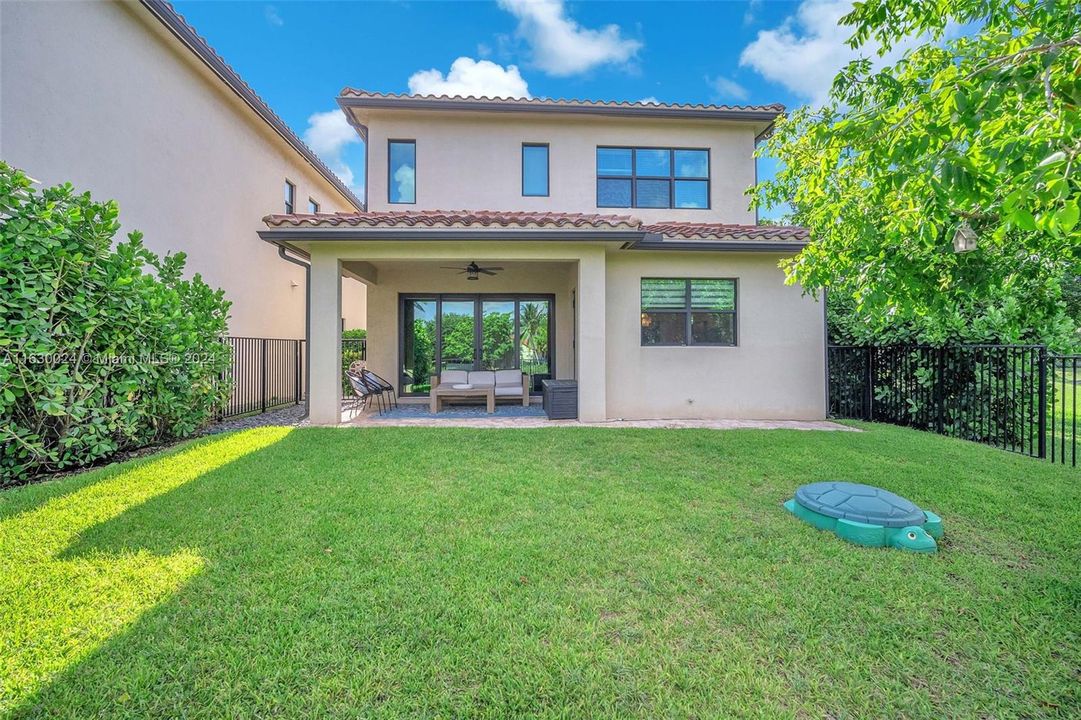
column 97, row 356
column 983, row 129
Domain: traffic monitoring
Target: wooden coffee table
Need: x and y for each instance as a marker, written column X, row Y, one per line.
column 446, row 392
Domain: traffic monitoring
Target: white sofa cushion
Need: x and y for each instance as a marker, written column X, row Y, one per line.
column 481, row 378
column 508, row 377
column 508, row 391
column 454, row 377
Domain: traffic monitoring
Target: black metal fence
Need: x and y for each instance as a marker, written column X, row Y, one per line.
column 266, row 373
column 1017, row 397
column 353, row 350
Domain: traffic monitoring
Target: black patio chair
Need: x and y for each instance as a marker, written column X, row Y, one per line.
column 374, row 381
column 362, row 392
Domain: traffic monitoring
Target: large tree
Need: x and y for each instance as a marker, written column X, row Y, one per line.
column 980, row 131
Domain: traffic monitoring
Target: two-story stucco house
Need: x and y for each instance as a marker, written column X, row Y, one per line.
column 612, row 241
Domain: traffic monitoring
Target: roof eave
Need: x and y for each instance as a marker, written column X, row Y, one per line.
column 280, row 235
column 486, row 105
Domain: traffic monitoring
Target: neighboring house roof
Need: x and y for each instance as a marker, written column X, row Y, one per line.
column 187, row 35
column 352, row 97
column 638, row 236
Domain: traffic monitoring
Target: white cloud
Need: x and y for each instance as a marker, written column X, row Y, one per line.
column 808, row 49
column 469, row 77
column 327, row 135
column 560, row 45
column 751, row 13
column 271, row 14
column 650, row 101
column 406, row 179
column 727, row 88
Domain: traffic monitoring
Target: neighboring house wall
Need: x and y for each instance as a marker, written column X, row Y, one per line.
column 103, row 96
column 775, row 371
column 474, row 161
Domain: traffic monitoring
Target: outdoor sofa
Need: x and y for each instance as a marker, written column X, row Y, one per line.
column 490, row 385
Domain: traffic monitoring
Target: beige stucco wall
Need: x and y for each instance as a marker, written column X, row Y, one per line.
column 101, row 95
column 474, row 160
column 777, row 371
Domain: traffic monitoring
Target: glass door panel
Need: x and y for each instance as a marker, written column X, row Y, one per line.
column 418, row 345
column 479, row 332
column 497, row 335
column 458, row 324
column 533, row 344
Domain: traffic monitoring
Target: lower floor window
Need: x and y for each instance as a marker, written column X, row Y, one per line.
column 688, row 311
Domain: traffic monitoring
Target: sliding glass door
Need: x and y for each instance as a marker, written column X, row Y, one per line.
column 474, row 332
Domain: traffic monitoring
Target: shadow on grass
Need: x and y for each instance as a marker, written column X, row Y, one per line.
column 596, row 572
column 56, row 606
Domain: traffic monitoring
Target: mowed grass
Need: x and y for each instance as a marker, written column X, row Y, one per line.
column 563, row 572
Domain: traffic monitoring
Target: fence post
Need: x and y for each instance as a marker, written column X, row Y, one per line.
column 296, row 372
column 1042, row 417
column 940, row 399
column 263, row 383
column 869, row 386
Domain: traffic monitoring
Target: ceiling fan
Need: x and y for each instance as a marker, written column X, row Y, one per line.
column 473, row 270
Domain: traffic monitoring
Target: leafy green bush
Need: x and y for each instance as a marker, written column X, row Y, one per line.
column 96, row 355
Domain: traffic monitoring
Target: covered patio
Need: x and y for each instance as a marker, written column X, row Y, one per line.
column 542, row 311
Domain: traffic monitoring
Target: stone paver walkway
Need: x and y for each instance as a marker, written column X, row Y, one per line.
column 372, row 419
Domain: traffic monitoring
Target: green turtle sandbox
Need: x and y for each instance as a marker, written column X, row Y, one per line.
column 867, row 515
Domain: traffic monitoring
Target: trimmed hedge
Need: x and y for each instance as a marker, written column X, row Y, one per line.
column 97, row 355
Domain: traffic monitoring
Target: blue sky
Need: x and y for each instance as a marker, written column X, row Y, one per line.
column 299, row 55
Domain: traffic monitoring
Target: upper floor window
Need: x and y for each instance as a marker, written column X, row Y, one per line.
column 313, row 206
column 402, row 171
column 290, row 197
column 652, row 177
column 535, row 169
column 695, row 311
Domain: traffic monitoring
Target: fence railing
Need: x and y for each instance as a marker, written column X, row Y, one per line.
column 266, row 373
column 1017, row 397
column 269, row 373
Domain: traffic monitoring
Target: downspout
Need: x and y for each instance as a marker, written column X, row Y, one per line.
column 307, row 326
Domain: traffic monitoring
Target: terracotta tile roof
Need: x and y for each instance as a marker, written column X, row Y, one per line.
column 711, row 232
column 728, row 232
column 403, row 99
column 455, row 218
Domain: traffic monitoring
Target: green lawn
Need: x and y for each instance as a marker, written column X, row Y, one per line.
column 563, row 572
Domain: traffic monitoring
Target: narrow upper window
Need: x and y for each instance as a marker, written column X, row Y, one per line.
column 402, row 171
column 535, row 169
column 290, row 197
column 313, row 206
column 652, row 177
column 677, row 311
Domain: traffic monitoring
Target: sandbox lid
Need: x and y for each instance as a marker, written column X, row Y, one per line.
column 861, row 503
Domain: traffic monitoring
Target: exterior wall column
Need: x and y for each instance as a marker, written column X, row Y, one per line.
column 325, row 386
column 590, row 343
